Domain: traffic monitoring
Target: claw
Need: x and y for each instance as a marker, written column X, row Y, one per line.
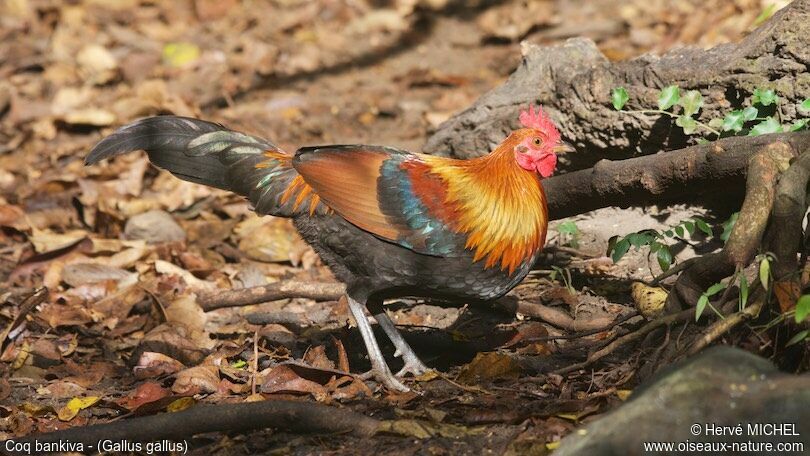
column 386, row 378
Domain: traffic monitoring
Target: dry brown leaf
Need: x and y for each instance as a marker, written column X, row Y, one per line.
column 196, row 380
column 488, row 367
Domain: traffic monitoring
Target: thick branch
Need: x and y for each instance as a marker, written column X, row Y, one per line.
column 281, row 290
column 573, row 81
column 305, row 417
column 715, row 168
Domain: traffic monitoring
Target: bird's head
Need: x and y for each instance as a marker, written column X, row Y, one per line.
column 538, row 143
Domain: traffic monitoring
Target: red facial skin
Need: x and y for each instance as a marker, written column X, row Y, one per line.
column 536, row 155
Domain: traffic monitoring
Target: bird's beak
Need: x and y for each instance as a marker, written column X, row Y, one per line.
column 563, row 148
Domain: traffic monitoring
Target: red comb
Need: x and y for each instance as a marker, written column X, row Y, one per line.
column 540, row 121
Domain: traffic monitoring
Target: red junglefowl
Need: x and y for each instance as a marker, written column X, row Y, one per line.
column 388, row 223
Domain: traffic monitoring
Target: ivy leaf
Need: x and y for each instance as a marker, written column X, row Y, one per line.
column 701, row 306
column 728, row 225
column 805, row 105
column 668, row 97
column 640, row 239
column 798, row 125
column 703, row 226
column 798, row 337
column 620, row 249
column 734, row 121
column 664, row 258
column 743, row 291
column 679, row 231
column 765, row 97
column 619, row 97
column 802, row 308
column 750, row 113
column 765, row 272
column 691, row 102
column 769, row 125
column 688, row 124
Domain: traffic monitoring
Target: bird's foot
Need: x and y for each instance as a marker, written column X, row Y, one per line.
column 413, row 365
column 385, row 377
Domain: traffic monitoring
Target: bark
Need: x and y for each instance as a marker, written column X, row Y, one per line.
column 573, row 82
column 712, row 169
column 273, row 292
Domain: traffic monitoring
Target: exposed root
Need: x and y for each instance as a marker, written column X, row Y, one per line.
column 743, row 243
column 295, row 416
column 631, row 337
column 272, row 292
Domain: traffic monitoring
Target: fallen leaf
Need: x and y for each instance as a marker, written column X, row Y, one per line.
column 649, row 300
column 488, row 367
column 147, row 392
column 196, row 380
column 283, row 379
column 180, row 54
column 75, row 405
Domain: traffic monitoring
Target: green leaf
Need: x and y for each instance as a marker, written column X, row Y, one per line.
column 668, row 233
column 688, row 124
column 798, row 125
column 640, row 239
column 769, row 125
column 656, row 246
column 802, row 308
column 691, row 102
column 805, row 105
column 238, row 364
column 728, row 225
column 620, row 249
column 798, row 337
column 701, row 306
column 679, row 231
column 765, row 272
column 619, row 97
column 664, row 258
column 567, row 227
column 714, row 289
column 765, row 14
column 750, row 113
column 690, row 227
column 703, row 226
column 668, row 97
column 765, row 97
column 716, row 123
column 743, row 291
column 733, row 121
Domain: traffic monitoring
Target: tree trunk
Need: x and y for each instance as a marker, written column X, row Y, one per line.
column 573, row 81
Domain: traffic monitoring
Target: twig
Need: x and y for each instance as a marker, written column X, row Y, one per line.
column 635, row 335
column 319, row 291
column 34, row 299
column 303, row 417
column 552, row 316
column 591, row 332
column 674, row 270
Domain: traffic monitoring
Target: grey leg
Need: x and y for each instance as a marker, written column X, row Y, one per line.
column 413, row 364
column 379, row 369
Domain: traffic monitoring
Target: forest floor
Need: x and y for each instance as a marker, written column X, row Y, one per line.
column 119, row 321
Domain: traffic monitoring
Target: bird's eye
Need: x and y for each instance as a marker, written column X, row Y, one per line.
column 537, row 141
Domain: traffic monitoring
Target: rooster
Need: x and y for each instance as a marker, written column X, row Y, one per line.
column 388, row 223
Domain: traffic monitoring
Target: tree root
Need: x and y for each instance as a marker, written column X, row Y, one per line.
column 303, row 417
column 555, row 317
column 746, row 236
column 280, row 290
column 627, row 338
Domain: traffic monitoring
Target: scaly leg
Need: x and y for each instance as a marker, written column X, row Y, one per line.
column 413, row 364
column 379, row 369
